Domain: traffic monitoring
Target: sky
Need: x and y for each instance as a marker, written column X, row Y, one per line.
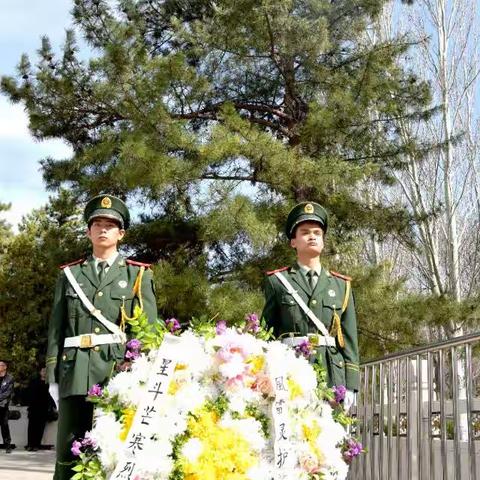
column 22, row 24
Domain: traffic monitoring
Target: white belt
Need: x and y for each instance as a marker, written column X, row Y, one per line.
column 91, row 340
column 314, row 339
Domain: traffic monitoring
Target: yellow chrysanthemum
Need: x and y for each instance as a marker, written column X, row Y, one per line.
column 226, row 454
column 127, row 417
column 294, row 388
column 256, row 362
column 173, row 388
column 311, row 433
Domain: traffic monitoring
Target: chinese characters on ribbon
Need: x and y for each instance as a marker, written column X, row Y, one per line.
column 157, row 386
column 285, row 458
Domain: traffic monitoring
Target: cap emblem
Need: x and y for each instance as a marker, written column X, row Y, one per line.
column 308, row 208
column 106, row 202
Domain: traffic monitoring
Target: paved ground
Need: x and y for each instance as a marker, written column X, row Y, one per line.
column 23, row 465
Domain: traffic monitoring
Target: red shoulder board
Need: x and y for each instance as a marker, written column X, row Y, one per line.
column 138, row 264
column 76, row 262
column 278, row 270
column 339, row 275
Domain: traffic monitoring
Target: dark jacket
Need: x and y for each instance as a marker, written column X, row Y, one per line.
column 38, row 399
column 6, row 390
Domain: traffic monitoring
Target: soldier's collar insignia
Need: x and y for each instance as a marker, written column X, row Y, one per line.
column 309, row 208
column 331, row 293
column 122, row 283
column 106, row 202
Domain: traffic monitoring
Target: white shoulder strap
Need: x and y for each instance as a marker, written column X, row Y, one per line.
column 112, row 327
column 321, row 327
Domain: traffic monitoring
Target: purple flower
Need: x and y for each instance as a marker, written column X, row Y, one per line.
column 253, row 323
column 339, row 391
column 76, row 448
column 88, row 441
column 221, row 327
column 351, row 449
column 131, row 355
column 134, row 344
column 304, row 348
column 95, row 391
column 173, row 324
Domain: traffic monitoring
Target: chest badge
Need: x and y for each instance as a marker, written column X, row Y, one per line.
column 331, row 293
column 122, row 283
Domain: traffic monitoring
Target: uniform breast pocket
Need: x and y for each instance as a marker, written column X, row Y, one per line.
column 329, row 308
column 288, row 301
column 73, row 303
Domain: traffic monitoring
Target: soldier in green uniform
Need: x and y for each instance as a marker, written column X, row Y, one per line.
column 86, row 339
column 314, row 304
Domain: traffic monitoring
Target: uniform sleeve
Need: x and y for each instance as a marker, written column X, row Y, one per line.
column 271, row 310
column 56, row 330
column 148, row 296
column 350, row 351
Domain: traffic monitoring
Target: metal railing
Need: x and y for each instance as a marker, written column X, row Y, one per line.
column 418, row 414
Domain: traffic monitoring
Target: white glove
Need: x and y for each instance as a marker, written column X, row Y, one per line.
column 53, row 390
column 349, row 400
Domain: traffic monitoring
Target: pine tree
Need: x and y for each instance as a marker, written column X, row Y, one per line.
column 47, row 237
column 214, row 118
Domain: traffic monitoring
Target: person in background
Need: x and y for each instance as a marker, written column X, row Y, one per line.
column 6, row 392
column 40, row 406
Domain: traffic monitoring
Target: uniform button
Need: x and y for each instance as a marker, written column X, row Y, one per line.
column 64, row 357
column 97, row 348
column 340, row 364
column 100, row 294
column 314, row 302
column 97, row 329
column 291, row 302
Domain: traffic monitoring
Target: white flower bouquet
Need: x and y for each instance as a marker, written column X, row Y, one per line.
column 221, row 405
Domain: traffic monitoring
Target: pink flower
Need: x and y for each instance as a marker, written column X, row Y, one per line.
column 95, row 391
column 76, row 448
column 221, row 327
column 263, row 384
column 134, row 344
column 173, row 324
column 339, row 391
column 253, row 323
column 131, row 355
column 309, row 464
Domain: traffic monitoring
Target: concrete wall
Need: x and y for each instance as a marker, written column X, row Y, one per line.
column 18, row 430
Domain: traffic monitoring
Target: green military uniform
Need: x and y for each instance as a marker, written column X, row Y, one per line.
column 76, row 369
column 331, row 301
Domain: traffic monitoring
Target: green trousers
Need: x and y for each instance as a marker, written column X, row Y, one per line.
column 75, row 417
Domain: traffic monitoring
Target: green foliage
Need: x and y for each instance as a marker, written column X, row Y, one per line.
column 149, row 333
column 47, row 238
column 88, row 468
column 213, row 118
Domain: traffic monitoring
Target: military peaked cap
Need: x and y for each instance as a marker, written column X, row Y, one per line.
column 107, row 206
column 306, row 212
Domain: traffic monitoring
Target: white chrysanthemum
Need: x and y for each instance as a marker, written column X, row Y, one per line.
column 192, row 449
column 303, row 374
column 141, row 369
column 155, row 458
column 127, row 388
column 234, row 367
column 106, row 432
column 231, row 339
